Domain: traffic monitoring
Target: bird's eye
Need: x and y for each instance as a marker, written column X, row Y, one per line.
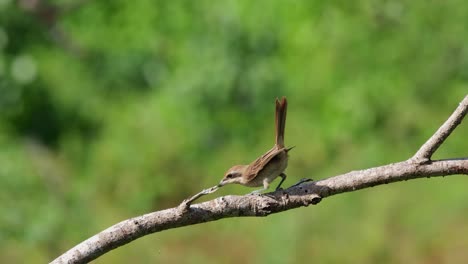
column 229, row 176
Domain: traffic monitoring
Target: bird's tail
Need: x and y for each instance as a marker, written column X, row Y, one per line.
column 280, row 120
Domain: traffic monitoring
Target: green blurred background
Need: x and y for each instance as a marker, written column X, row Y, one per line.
column 113, row 109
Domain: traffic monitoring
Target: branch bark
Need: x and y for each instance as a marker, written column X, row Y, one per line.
column 419, row 166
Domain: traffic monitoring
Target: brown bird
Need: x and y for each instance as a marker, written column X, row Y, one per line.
column 266, row 168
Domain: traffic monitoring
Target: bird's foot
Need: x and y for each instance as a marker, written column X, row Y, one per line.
column 257, row 192
column 302, row 181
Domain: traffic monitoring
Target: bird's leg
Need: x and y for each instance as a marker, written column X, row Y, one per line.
column 266, row 184
column 283, row 177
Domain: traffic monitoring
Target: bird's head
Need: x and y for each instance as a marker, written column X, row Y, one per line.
column 233, row 175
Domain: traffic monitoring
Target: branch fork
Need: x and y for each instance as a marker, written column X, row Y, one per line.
column 424, row 154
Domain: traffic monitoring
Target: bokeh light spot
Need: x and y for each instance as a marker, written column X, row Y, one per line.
column 23, row 69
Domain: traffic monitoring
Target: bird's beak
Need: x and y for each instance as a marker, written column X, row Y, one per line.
column 221, row 183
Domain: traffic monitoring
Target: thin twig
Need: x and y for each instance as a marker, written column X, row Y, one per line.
column 426, row 151
column 185, row 205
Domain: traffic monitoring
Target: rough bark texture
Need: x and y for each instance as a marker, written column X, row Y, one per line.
column 419, row 166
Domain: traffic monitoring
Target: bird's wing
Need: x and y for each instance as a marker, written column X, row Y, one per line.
column 257, row 165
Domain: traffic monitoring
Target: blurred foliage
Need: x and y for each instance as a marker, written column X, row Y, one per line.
column 113, row 109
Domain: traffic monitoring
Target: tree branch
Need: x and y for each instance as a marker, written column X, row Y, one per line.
column 426, row 151
column 418, row 166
